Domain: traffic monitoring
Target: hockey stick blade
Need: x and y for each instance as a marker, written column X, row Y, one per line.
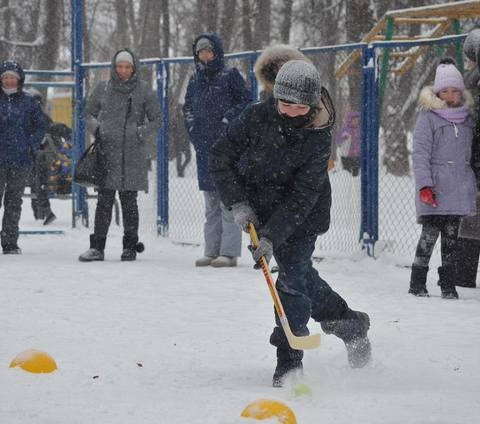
column 301, row 342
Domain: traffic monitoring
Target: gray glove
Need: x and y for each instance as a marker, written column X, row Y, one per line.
column 264, row 248
column 243, row 214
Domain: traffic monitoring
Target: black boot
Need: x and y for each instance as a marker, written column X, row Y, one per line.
column 446, row 282
column 11, row 249
column 418, row 281
column 352, row 328
column 130, row 248
column 95, row 253
column 289, row 363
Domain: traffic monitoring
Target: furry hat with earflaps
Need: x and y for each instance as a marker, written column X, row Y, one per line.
column 271, row 60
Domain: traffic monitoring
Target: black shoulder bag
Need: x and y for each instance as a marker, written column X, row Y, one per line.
column 90, row 170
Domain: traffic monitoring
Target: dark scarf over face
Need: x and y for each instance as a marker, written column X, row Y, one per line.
column 301, row 121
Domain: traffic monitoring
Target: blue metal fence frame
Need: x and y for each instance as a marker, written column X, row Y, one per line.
column 369, row 121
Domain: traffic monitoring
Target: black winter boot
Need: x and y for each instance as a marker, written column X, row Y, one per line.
column 352, row 328
column 11, row 249
column 447, row 282
column 418, row 281
column 289, row 364
column 130, row 248
column 95, row 253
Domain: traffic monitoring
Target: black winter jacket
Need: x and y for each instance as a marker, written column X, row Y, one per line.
column 279, row 170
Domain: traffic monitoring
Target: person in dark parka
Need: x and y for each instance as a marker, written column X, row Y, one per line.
column 215, row 96
column 270, row 169
column 22, row 128
column 124, row 115
column 468, row 249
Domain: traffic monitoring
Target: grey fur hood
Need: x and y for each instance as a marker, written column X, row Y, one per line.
column 271, row 60
column 428, row 100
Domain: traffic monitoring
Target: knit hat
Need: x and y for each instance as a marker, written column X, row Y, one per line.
column 447, row 75
column 298, row 82
column 202, row 44
column 11, row 73
column 124, row 56
column 471, row 44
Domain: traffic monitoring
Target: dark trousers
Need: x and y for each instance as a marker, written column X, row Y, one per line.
column 39, row 187
column 103, row 212
column 12, row 185
column 303, row 292
column 432, row 226
column 468, row 252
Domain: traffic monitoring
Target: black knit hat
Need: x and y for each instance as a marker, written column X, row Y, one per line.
column 298, row 82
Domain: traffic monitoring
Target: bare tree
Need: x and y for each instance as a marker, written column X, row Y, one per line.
column 286, row 22
column 150, row 29
column 262, row 24
column 165, row 42
column 246, row 28
column 121, row 26
column 227, row 22
column 49, row 49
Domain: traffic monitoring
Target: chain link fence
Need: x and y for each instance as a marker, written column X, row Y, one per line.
column 411, row 66
column 186, row 207
column 401, row 70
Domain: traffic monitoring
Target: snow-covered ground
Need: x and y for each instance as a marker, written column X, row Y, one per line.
column 158, row 341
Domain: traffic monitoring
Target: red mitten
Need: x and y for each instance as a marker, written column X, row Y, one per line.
column 428, row 196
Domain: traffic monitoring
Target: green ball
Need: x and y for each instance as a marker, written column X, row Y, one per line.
column 301, row 390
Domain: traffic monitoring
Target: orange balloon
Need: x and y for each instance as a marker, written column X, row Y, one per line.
column 265, row 408
column 34, row 361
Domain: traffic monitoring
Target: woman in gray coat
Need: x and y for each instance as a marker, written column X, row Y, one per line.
column 124, row 115
column 444, row 179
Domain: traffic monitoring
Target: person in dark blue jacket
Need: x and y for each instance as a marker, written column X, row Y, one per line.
column 215, row 96
column 22, row 128
column 270, row 169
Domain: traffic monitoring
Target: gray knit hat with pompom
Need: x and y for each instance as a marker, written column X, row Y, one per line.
column 298, row 82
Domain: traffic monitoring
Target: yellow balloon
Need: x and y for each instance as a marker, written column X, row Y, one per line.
column 265, row 408
column 34, row 361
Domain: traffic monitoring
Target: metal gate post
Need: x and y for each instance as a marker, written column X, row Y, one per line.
column 162, row 151
column 79, row 203
column 369, row 151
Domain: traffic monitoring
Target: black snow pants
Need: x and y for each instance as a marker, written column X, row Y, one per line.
column 303, row 292
column 12, row 185
column 103, row 212
column 432, row 226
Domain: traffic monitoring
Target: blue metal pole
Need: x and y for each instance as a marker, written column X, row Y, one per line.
column 162, row 151
column 369, row 152
column 79, row 203
column 364, row 131
column 374, row 162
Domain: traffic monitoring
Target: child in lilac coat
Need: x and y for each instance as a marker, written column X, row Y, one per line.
column 445, row 188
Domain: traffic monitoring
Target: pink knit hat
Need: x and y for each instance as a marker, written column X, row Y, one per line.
column 447, row 75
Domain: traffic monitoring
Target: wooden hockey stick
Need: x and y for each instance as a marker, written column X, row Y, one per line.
column 296, row 342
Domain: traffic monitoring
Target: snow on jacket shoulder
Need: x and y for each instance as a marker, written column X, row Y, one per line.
column 281, row 171
column 22, row 128
column 215, row 96
column 127, row 116
column 441, row 159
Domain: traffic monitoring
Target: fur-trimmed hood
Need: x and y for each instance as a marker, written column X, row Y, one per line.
column 271, row 60
column 428, row 100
